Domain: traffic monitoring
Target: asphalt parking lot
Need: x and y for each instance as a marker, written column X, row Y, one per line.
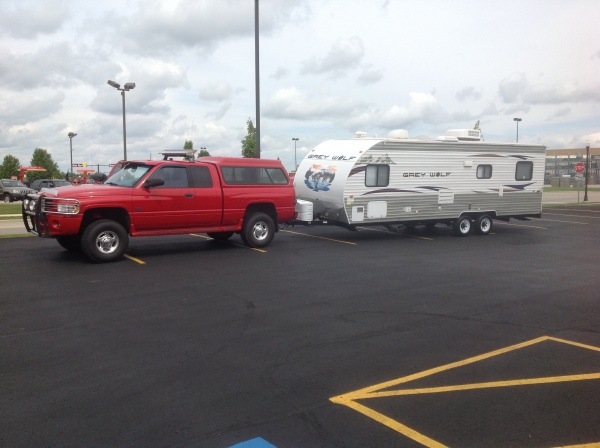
column 326, row 338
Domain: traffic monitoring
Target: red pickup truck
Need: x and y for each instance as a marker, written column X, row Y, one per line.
column 219, row 196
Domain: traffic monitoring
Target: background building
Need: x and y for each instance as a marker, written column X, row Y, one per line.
column 561, row 162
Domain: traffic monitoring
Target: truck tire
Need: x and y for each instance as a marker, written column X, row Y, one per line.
column 484, row 224
column 104, row 241
column 7, row 198
column 258, row 230
column 220, row 236
column 71, row 243
column 462, row 226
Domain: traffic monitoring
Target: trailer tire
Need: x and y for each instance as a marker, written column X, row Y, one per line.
column 462, row 226
column 220, row 236
column 258, row 230
column 484, row 225
column 104, row 241
column 70, row 243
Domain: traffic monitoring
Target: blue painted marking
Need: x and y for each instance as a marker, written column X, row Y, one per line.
column 254, row 443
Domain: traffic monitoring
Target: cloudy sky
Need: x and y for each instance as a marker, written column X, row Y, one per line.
column 328, row 68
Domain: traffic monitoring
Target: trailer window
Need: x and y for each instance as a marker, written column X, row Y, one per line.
column 484, row 171
column 377, row 176
column 524, row 171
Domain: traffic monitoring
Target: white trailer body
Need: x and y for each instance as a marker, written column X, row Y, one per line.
column 365, row 181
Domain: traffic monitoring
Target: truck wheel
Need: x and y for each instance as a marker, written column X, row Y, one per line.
column 104, row 240
column 462, row 226
column 258, row 230
column 71, row 243
column 484, row 224
column 7, row 198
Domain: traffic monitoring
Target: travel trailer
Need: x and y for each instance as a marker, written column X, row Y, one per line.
column 457, row 179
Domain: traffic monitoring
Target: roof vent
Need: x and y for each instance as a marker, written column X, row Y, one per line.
column 469, row 135
column 446, row 138
column 360, row 134
column 398, row 134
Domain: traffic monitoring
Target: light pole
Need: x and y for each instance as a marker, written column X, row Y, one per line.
column 517, row 120
column 295, row 160
column 71, row 135
column 128, row 86
column 587, row 170
column 257, row 76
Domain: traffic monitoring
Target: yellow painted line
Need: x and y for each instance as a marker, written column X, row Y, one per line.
column 575, row 216
column 576, row 344
column 137, row 260
column 562, row 220
column 365, row 393
column 320, row 237
column 206, row 237
column 519, row 225
column 349, row 399
column 391, row 423
column 394, row 233
column 572, row 210
column 585, row 445
column 489, row 385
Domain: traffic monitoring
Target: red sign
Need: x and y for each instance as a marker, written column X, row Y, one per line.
column 579, row 167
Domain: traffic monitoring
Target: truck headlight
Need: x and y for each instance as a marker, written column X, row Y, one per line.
column 31, row 205
column 71, row 208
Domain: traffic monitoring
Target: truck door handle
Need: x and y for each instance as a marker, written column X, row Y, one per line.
column 189, row 195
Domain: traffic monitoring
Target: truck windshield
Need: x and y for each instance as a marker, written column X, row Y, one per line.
column 128, row 175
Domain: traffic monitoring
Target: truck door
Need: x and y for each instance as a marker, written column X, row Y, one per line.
column 172, row 205
column 207, row 195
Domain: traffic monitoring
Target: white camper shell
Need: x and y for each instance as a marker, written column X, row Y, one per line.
column 457, row 180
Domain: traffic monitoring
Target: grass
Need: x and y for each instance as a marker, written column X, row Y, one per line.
column 574, row 188
column 10, row 209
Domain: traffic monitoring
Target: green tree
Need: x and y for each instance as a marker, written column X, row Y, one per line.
column 10, row 167
column 41, row 157
column 249, row 142
column 188, row 145
column 204, row 153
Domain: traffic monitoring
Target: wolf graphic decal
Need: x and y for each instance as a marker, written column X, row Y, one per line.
column 319, row 178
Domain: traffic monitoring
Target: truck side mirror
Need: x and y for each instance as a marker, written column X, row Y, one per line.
column 154, row 182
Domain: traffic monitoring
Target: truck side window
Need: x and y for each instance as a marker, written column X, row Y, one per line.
column 248, row 175
column 174, row 176
column 201, row 177
column 272, row 176
column 377, row 176
column 484, row 171
column 524, row 171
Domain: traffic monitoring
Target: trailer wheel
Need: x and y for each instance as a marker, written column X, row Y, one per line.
column 484, row 224
column 462, row 226
column 70, row 243
column 258, row 230
column 104, row 241
column 220, row 236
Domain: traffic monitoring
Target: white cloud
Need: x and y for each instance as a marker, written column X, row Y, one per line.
column 218, row 91
column 344, row 54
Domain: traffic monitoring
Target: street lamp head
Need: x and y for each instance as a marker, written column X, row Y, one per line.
column 295, row 139
column 517, row 119
column 129, row 86
column 71, row 134
column 116, row 85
